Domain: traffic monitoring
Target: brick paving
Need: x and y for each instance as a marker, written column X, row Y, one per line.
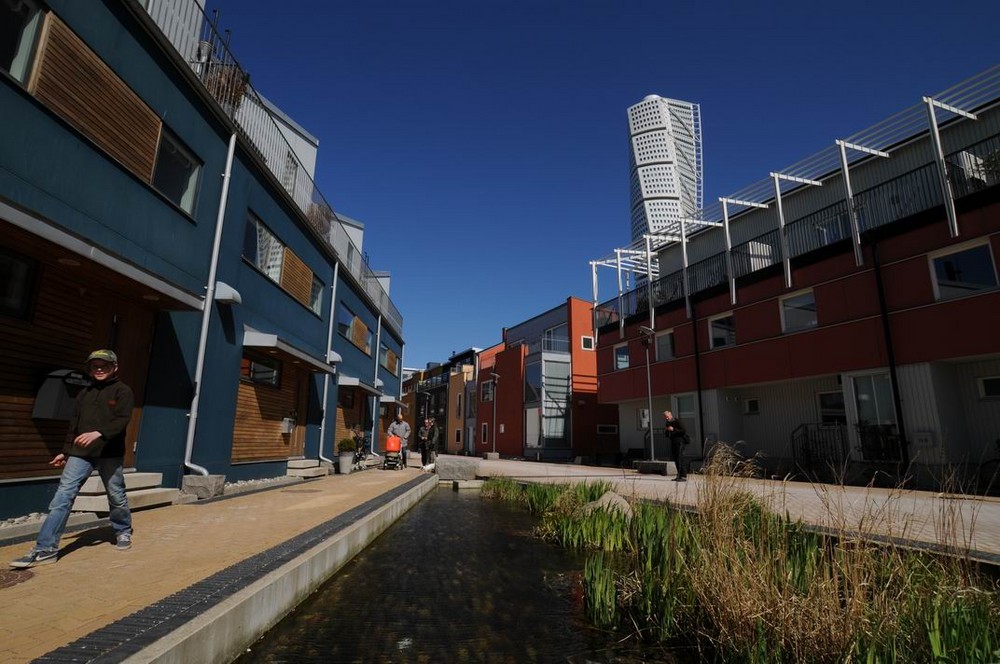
column 94, row 585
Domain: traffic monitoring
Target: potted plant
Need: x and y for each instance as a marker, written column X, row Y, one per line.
column 345, row 449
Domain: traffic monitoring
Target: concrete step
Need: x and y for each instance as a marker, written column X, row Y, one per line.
column 133, row 481
column 308, row 472
column 137, row 500
column 302, row 463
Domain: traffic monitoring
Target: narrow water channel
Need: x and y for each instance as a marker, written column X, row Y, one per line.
column 456, row 579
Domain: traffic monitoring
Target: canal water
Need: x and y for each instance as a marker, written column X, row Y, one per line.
column 457, row 579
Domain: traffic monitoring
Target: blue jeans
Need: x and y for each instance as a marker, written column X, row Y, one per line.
column 74, row 474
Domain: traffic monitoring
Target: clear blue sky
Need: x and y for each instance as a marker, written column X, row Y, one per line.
column 484, row 144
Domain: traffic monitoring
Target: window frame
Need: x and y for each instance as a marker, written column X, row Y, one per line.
column 316, row 295
column 673, row 348
column 981, row 384
column 587, row 342
column 488, row 391
column 26, row 304
column 29, row 50
column 781, row 309
column 486, row 433
column 258, row 223
column 194, row 179
column 607, row 429
column 711, row 337
column 751, row 410
column 958, row 249
column 254, row 359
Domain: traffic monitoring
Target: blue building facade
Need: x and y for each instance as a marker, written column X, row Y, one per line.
column 138, row 212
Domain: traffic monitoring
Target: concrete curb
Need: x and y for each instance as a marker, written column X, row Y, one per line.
column 225, row 631
column 12, row 534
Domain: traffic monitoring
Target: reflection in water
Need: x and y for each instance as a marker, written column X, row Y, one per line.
column 456, row 579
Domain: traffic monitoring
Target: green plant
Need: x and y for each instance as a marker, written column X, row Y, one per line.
column 346, row 445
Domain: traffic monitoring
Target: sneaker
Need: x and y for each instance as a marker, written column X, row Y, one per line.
column 35, row 558
column 680, row 479
column 124, row 541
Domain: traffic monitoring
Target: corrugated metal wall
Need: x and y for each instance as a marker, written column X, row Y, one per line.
column 982, row 416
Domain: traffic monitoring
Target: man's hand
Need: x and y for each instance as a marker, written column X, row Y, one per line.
column 58, row 461
column 85, row 439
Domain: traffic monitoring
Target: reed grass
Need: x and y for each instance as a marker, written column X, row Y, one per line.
column 748, row 585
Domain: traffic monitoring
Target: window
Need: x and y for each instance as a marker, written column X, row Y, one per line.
column 458, row 405
column 533, row 382
column 665, row 346
column 556, row 339
column 798, row 312
column 607, row 429
column 621, row 357
column 389, row 360
column 486, row 434
column 488, row 391
column 262, row 371
column 316, row 296
column 963, row 272
column 751, row 406
column 722, row 331
column 458, row 436
column 832, row 409
column 587, row 343
column 17, row 281
column 175, row 174
column 19, row 23
column 345, row 398
column 989, row 387
column 262, row 249
column 353, row 329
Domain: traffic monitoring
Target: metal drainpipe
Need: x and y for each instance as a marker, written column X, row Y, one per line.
column 206, row 314
column 697, row 378
column 329, row 349
column 375, row 408
column 904, row 451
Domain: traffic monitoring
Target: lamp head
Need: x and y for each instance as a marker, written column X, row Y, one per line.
column 648, row 331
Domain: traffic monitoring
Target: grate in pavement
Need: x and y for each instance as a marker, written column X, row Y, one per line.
column 127, row 636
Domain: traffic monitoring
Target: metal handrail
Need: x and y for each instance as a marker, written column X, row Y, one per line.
column 228, row 83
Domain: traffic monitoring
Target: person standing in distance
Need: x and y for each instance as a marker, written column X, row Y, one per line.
column 400, row 428
column 675, row 432
column 95, row 440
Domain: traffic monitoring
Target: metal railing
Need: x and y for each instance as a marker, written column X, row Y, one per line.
column 820, row 450
column 970, row 170
column 229, row 84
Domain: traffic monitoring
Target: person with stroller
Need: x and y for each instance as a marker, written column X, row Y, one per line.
column 429, row 436
column 401, row 429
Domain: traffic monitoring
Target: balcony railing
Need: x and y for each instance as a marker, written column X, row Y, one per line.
column 971, row 169
column 229, row 84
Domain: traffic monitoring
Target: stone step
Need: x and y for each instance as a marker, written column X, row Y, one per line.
column 137, row 500
column 302, row 463
column 308, row 472
column 133, row 481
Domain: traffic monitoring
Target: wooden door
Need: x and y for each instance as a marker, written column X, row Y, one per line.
column 298, row 442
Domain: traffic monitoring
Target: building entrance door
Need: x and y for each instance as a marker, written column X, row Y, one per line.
column 878, row 439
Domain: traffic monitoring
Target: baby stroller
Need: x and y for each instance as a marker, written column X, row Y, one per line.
column 360, row 453
column 393, row 457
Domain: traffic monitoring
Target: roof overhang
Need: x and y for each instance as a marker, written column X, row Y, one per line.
column 275, row 345
column 351, row 381
column 386, row 398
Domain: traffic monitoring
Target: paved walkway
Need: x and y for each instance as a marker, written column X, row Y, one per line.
column 959, row 523
column 93, row 584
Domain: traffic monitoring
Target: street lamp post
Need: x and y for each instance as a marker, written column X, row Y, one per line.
column 496, row 381
column 647, row 337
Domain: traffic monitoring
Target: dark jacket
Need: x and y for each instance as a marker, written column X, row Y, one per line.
column 678, row 431
column 429, row 437
column 106, row 407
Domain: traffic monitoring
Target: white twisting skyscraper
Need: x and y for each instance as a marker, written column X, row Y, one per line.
column 666, row 169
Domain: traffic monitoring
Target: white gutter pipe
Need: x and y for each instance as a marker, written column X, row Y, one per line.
column 206, row 314
column 329, row 348
column 375, row 399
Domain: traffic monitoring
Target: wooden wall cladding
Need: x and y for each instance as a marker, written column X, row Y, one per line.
column 359, row 335
column 296, row 277
column 74, row 83
column 259, row 410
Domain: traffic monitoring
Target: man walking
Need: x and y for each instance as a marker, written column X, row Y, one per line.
column 674, row 430
column 401, row 429
column 95, row 440
column 429, row 436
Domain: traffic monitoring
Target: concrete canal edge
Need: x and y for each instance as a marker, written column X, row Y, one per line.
column 224, row 631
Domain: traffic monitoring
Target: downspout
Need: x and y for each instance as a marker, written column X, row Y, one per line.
column 329, row 349
column 904, row 452
column 206, row 314
column 697, row 379
column 375, row 399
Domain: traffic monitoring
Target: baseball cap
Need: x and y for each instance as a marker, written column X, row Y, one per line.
column 103, row 354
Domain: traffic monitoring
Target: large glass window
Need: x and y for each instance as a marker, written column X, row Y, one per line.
column 621, row 357
column 798, row 312
column 487, row 391
column 316, row 296
column 533, row 382
column 264, row 371
column 556, row 339
column 353, row 329
column 722, row 331
column 19, row 22
column 17, row 281
column 175, row 174
column 665, row 346
column 964, row 272
column 388, row 360
column 262, row 249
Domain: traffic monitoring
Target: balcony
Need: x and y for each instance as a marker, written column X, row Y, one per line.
column 229, row 84
column 970, row 170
